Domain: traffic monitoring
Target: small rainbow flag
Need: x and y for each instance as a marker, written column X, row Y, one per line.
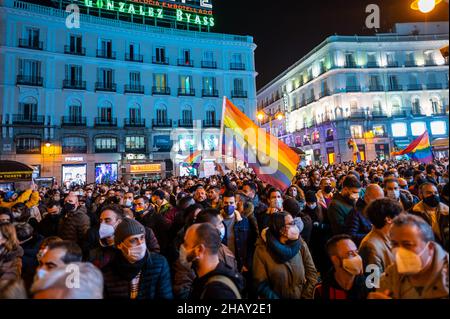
column 194, row 159
column 419, row 150
column 356, row 155
column 272, row 161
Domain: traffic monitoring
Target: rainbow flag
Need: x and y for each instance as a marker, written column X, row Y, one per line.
column 194, row 159
column 272, row 161
column 419, row 150
column 356, row 155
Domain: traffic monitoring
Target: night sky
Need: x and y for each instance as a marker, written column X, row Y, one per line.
column 286, row 30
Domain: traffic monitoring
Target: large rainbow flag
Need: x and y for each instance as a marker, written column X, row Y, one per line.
column 419, row 150
column 194, row 159
column 356, row 155
column 273, row 161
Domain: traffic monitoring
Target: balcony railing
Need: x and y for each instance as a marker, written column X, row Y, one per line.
column 74, row 50
column 134, row 150
column 440, row 113
column 324, row 93
column 186, row 92
column 162, row 124
column 376, row 88
column 185, row 123
column 418, row 113
column 66, row 149
column 29, row 44
column 395, row 88
column 434, row 86
column 350, row 64
column 430, row 63
column 186, row 63
column 132, row 122
column 74, row 85
column 73, row 121
column 410, row 64
column 392, row 64
column 350, row 88
column 239, row 94
column 210, row 93
column 237, row 66
column 106, row 150
column 311, row 99
column 102, row 122
column 134, row 57
column 357, row 115
column 105, row 87
column 163, row 61
column 28, row 119
column 399, row 113
column 106, row 54
column 207, row 123
column 414, row 87
column 158, row 90
column 209, row 65
column 379, row 114
column 136, row 89
column 30, row 80
column 372, row 64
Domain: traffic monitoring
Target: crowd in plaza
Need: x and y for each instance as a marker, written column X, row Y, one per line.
column 376, row 229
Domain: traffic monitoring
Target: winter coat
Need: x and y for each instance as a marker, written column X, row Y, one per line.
column 357, row 225
column 74, row 226
column 441, row 227
column 337, row 212
column 376, row 249
column 48, row 226
column 11, row 264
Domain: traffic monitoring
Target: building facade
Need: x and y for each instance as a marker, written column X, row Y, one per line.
column 382, row 91
column 111, row 92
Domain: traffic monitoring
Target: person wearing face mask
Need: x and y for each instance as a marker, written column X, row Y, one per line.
column 159, row 200
column 279, row 250
column 345, row 280
column 325, row 194
column 10, row 253
column 375, row 248
column 134, row 272
column 75, row 222
column 435, row 213
column 49, row 225
column 392, row 190
column 419, row 179
column 240, row 235
column 184, row 273
column 275, row 204
column 420, row 269
column 128, row 200
column 296, row 193
column 343, row 203
column 302, row 217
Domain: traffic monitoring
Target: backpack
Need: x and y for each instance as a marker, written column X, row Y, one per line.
column 225, row 281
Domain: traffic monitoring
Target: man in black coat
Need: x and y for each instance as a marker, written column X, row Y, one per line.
column 48, row 226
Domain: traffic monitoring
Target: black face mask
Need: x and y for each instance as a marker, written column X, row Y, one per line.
column 328, row 189
column 68, row 207
column 432, row 201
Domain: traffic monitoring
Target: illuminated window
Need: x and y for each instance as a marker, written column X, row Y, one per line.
column 418, row 128
column 399, row 130
column 356, row 131
column 438, row 128
column 378, row 130
column 316, row 137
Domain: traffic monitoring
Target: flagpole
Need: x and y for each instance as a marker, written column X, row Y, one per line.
column 221, row 156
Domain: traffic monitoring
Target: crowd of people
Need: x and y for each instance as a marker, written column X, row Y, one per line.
column 376, row 230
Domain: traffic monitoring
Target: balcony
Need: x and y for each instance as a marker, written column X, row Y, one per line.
column 134, row 122
column 66, row 149
column 106, row 150
column 350, row 64
column 135, row 89
column 103, row 122
column 186, row 92
column 393, row 88
column 357, row 115
column 157, row 90
column 209, row 65
column 372, row 64
column 74, row 85
column 185, row 123
column 379, row 115
column 185, row 63
column 237, row 66
column 439, row 113
column 29, row 44
column 376, row 88
column 434, row 86
column 410, row 64
column 418, row 113
column 209, row 124
column 399, row 113
column 162, row 124
column 134, row 57
column 356, row 88
column 430, row 63
column 105, row 87
column 28, row 119
column 106, row 54
column 414, row 87
column 311, row 99
column 73, row 121
column 30, row 80
column 74, row 51
column 239, row 94
column 135, row 150
column 392, row 64
column 161, row 61
column 324, row 93
column 210, row 93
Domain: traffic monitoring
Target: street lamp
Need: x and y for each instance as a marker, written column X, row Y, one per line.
column 424, row 6
column 48, row 145
column 261, row 115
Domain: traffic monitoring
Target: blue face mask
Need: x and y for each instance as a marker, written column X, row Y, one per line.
column 229, row 209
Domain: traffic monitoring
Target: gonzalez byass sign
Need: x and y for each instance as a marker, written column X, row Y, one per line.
column 196, row 12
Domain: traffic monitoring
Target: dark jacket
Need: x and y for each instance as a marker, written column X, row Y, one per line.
column 29, row 259
column 216, row 290
column 357, row 225
column 160, row 226
column 74, row 226
column 340, row 208
column 11, row 264
column 154, row 280
column 441, row 227
column 48, row 226
column 329, row 289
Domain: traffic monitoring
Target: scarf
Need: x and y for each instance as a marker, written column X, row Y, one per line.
column 282, row 252
column 126, row 270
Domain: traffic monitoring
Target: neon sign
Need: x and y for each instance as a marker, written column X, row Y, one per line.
column 194, row 12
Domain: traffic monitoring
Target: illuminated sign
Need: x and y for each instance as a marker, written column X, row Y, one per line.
column 191, row 12
column 145, row 168
column 73, row 159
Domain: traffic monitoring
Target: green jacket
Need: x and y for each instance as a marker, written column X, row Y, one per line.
column 338, row 211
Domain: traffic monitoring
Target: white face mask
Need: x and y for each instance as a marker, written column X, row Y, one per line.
column 393, row 194
column 277, row 203
column 134, row 254
column 313, row 206
column 353, row 265
column 106, row 231
column 293, row 233
column 222, row 233
column 40, row 273
column 184, row 258
column 408, row 262
column 128, row 203
column 354, row 197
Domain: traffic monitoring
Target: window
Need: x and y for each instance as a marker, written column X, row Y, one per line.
column 105, row 48
column 160, row 55
column 208, row 56
column 211, row 116
column 74, row 74
column 390, row 58
column 161, row 115
column 209, row 84
column 416, row 108
column 418, row 128
column 76, row 44
column 105, row 77
column 330, row 136
column 135, row 79
column 33, row 36
column 356, row 131
column 187, row 56
column 377, row 109
column 29, row 68
column 135, row 114
column 393, row 81
column 399, row 130
column 28, row 110
column 74, row 145
column 379, row 130
column 438, row 128
column 436, row 106
column 410, row 57
column 160, row 81
column 135, row 142
column 186, row 83
column 187, row 115
column 349, row 59
column 374, row 81
column 28, row 146
column 105, row 113
column 75, row 112
column 351, row 81
column 432, row 78
column 133, row 51
column 238, row 85
column 315, row 137
column 106, row 144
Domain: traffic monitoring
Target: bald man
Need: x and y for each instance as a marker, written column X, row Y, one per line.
column 357, row 225
column 75, row 222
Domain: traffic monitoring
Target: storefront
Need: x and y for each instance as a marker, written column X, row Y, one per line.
column 317, row 156
column 74, row 175
column 144, row 171
column 382, row 151
column 12, row 172
column 331, row 156
column 362, row 152
column 106, row 173
column 440, row 148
